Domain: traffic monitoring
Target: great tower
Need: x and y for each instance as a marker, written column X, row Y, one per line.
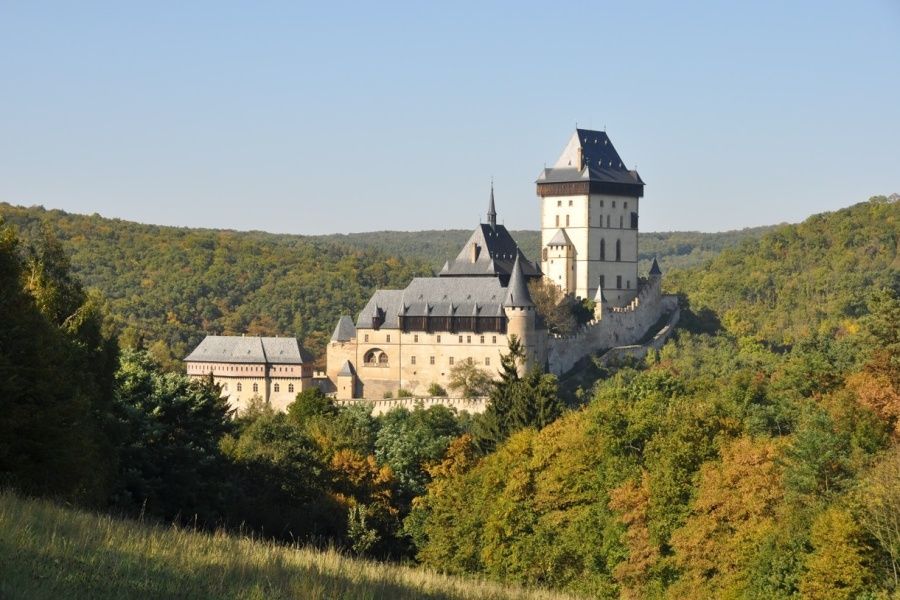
column 589, row 220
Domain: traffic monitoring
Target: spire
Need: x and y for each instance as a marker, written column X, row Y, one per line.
column 654, row 268
column 517, row 295
column 492, row 212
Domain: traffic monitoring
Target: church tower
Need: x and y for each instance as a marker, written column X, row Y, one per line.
column 589, row 220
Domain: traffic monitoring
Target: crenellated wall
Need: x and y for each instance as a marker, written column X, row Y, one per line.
column 617, row 326
column 379, row 407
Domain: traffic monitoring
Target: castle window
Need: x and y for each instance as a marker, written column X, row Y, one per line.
column 493, row 339
column 438, row 339
column 624, row 205
column 460, row 339
column 607, row 220
column 255, row 387
column 366, row 338
column 239, row 387
column 559, row 202
column 291, row 388
column 557, row 220
column 621, row 221
column 619, row 250
column 614, row 203
column 375, row 357
column 412, row 360
column 468, row 339
column 482, row 339
column 634, row 220
column 567, row 220
column 628, row 284
column 602, row 249
column 416, row 339
column 431, row 360
column 601, row 204
column 277, row 388
column 388, row 340
column 383, row 359
column 570, row 203
column 487, row 361
column 451, row 360
column 618, row 282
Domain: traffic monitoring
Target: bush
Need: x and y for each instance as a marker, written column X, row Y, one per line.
column 436, row 390
column 401, row 393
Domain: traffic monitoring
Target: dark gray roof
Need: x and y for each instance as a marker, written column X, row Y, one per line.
column 249, row 349
column 346, row 370
column 654, row 268
column 560, row 238
column 496, row 251
column 436, row 296
column 517, row 295
column 601, row 163
column 345, row 330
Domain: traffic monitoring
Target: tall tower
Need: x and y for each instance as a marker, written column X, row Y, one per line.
column 519, row 309
column 589, row 220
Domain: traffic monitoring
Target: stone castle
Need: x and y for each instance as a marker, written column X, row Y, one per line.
column 412, row 338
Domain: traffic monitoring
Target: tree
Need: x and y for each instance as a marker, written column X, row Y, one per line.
column 436, row 390
column 835, row 568
column 878, row 502
column 557, row 308
column 469, row 380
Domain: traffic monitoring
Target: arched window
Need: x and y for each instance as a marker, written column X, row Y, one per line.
column 255, row 387
column 618, row 249
column 602, row 249
column 276, row 387
column 382, row 359
column 375, row 357
column 291, row 388
column 239, row 387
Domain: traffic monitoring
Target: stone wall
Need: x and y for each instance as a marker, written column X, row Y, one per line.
column 379, row 407
column 617, row 326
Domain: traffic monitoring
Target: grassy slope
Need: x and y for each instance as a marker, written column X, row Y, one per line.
column 47, row 551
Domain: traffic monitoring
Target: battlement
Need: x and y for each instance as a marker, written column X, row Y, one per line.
column 380, row 407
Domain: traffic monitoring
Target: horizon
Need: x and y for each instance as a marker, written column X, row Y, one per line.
column 316, row 120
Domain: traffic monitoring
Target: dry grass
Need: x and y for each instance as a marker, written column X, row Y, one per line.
column 47, row 551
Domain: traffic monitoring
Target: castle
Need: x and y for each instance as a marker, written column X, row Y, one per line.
column 412, row 338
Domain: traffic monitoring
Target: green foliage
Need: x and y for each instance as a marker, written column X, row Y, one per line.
column 469, row 380
column 436, row 390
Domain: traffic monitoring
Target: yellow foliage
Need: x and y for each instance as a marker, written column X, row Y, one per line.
column 834, row 569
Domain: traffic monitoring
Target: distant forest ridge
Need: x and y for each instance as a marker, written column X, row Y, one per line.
column 168, row 286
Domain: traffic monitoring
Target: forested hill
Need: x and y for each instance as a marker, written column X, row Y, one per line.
column 798, row 280
column 674, row 249
column 169, row 286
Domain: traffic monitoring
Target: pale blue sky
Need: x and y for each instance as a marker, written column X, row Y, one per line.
column 338, row 117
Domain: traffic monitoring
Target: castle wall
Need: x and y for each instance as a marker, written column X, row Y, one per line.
column 618, row 326
column 380, row 407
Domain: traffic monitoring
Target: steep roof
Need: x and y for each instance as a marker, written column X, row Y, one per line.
column 590, row 156
column 346, row 370
column 493, row 255
column 517, row 295
column 345, row 330
column 654, row 268
column 249, row 349
column 560, row 238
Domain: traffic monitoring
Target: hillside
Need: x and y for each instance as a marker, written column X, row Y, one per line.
column 47, row 551
column 169, row 286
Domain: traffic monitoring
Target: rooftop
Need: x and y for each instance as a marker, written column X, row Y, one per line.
column 249, row 350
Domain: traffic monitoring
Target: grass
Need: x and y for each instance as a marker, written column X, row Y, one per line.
column 49, row 551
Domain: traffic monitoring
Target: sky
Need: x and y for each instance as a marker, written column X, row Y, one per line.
column 327, row 117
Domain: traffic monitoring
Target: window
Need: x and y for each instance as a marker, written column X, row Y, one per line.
column 482, row 339
column 255, row 387
column 621, row 221
column 607, row 220
column 601, row 204
column 567, row 220
column 412, row 360
column 619, row 250
column 570, row 203
column 618, row 282
column 493, row 339
column 375, row 357
column 460, row 339
column 431, row 360
column 559, row 202
column 277, row 388
column 239, row 387
column 291, row 388
column 468, row 339
column 451, row 361
column 602, row 249
column 388, row 338
column 557, row 220
column 366, row 338
column 628, row 284
column 614, row 203
column 416, row 339
column 625, row 205
column 438, row 339
column 487, row 361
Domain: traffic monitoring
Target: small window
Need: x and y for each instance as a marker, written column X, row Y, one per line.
column 416, row 339
column 487, row 361
column 482, row 339
column 412, row 360
column 431, row 360
column 628, row 284
column 601, row 204
column 366, row 338
column 451, row 360
column 621, row 221
column 567, row 220
column 619, row 251
column 388, row 338
column 277, row 389
column 460, row 339
column 438, row 339
column 559, row 202
column 255, row 387
column 557, row 220
column 239, row 387
column 625, row 205
column 570, row 203
column 468, row 339
column 494, row 339
column 618, row 282
column 614, row 203
column 291, row 387
column 607, row 220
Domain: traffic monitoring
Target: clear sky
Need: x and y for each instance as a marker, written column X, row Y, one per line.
column 338, row 117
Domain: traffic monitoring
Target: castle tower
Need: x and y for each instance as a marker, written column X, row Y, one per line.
column 590, row 199
column 519, row 309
